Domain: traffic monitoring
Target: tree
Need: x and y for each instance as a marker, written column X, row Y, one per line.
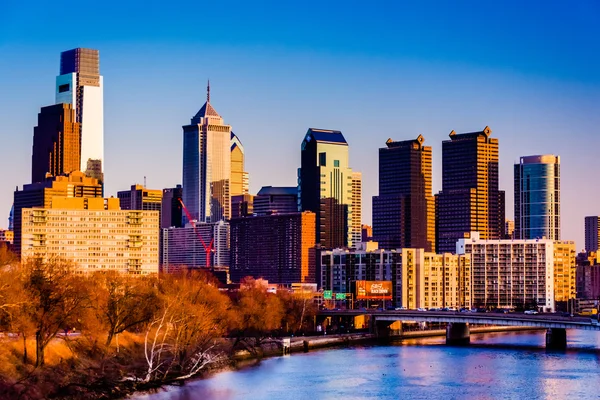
column 123, row 302
column 299, row 309
column 56, row 298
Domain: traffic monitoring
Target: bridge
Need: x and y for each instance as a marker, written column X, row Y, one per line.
column 457, row 331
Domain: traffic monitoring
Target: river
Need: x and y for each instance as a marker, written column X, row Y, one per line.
column 494, row 366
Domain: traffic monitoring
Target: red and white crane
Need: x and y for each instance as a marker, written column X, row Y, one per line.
column 208, row 249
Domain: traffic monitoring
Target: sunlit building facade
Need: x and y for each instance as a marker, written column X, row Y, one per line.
column 239, row 177
column 356, row 227
column 93, row 233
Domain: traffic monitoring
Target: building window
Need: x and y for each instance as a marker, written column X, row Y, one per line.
column 64, row 88
column 336, row 163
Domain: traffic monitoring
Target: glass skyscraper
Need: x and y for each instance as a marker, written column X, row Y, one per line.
column 537, row 197
column 80, row 84
column 207, row 165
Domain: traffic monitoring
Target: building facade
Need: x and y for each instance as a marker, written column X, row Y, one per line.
column 419, row 279
column 75, row 184
column 356, row 228
column 592, row 241
column 93, row 233
column 185, row 248
column 207, row 165
column 242, row 205
column 140, row 198
column 530, row 273
column 367, row 233
column 537, row 197
column 470, row 199
column 7, row 236
column 171, row 211
column 276, row 200
column 239, row 177
column 278, row 248
column 55, row 143
column 80, row 85
column 325, row 182
column 403, row 212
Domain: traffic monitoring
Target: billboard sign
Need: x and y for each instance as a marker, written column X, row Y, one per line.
column 371, row 290
column 340, row 296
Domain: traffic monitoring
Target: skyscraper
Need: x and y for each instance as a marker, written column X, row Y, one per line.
column 356, row 228
column 207, row 165
column 537, row 197
column 470, row 200
column 140, row 198
column 276, row 200
column 592, row 242
column 80, row 84
column 55, row 143
column 325, row 181
column 239, row 177
column 403, row 213
column 171, row 210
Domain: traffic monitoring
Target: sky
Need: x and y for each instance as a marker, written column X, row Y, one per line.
column 374, row 70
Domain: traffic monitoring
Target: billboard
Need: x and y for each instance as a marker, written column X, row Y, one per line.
column 371, row 290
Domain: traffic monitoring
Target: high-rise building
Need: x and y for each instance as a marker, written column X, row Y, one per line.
column 207, row 165
column 11, row 218
column 403, row 213
column 80, row 84
column 93, row 233
column 537, row 197
column 140, row 198
column 470, row 200
column 356, row 228
column 40, row 194
column 275, row 247
column 592, row 238
column 520, row 273
column 509, row 229
column 171, row 211
column 367, row 233
column 183, row 248
column 239, row 177
column 325, row 182
column 55, row 143
column 276, row 200
column 242, row 205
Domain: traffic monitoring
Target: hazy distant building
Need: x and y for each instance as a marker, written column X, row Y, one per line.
column 40, row 194
column 276, row 200
column 94, row 234
column 537, row 197
column 183, row 248
column 356, row 227
column 242, row 205
column 470, row 199
column 274, row 247
column 325, row 182
column 207, row 165
column 11, row 218
column 239, row 177
column 591, row 233
column 171, row 212
column 80, row 85
column 56, row 141
column 403, row 212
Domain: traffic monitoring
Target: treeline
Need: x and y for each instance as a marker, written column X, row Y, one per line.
column 104, row 335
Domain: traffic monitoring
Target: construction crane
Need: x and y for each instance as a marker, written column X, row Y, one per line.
column 207, row 249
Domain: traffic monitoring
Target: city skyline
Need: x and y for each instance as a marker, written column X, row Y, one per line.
column 402, row 95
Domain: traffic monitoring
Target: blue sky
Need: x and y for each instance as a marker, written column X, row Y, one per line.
column 529, row 70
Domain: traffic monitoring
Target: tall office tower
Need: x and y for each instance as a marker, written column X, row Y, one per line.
column 55, row 143
column 470, row 200
column 171, row 212
column 140, row 198
column 276, row 200
column 80, row 84
column 11, row 218
column 356, row 228
column 274, row 247
column 239, row 177
column 40, row 194
column 207, row 165
column 592, row 238
column 537, row 197
column 403, row 213
column 94, row 233
column 325, row 181
column 242, row 205
column 509, row 229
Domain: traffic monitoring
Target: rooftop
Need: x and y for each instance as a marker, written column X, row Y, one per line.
column 325, row 135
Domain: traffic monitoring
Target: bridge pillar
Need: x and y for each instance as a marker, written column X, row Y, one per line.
column 385, row 329
column 458, row 334
column 556, row 338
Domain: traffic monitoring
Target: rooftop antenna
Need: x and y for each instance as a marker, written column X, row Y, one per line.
column 208, row 92
column 144, row 180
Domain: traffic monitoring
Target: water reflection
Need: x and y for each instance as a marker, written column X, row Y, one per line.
column 507, row 365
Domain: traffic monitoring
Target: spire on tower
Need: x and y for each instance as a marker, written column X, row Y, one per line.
column 208, row 92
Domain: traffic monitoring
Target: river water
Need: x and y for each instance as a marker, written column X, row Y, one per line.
column 494, row 366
